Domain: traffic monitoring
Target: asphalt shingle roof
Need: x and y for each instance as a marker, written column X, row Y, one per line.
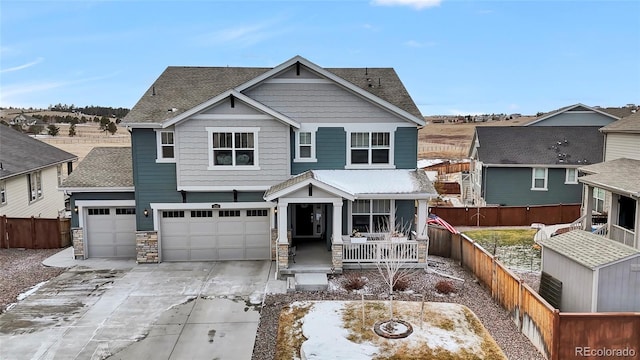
column 628, row 124
column 183, row 88
column 103, row 167
column 621, row 175
column 20, row 153
column 590, row 250
column 540, row 145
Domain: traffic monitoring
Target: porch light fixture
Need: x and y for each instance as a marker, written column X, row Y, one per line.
column 75, row 209
column 145, row 212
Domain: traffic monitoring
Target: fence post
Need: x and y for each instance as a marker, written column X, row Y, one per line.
column 33, row 233
column 520, row 307
column 4, row 232
column 59, row 233
column 555, row 338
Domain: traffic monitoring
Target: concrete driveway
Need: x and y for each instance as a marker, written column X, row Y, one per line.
column 120, row 310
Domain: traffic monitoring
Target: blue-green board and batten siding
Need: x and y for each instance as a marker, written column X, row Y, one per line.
column 512, row 187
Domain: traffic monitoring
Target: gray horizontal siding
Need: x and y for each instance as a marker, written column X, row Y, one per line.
column 193, row 154
column 622, row 146
column 320, row 103
column 512, row 187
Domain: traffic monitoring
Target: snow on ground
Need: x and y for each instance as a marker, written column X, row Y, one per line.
column 327, row 338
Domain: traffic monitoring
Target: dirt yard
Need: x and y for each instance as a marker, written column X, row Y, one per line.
column 452, row 140
column 87, row 137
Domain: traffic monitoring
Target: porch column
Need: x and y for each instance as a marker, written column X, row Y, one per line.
column 588, row 208
column 336, row 237
column 423, row 212
column 636, row 234
column 283, row 240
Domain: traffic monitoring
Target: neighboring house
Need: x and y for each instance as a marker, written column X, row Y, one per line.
column 594, row 275
column 30, row 173
column 25, row 121
column 600, row 268
column 521, row 166
column 576, row 115
column 246, row 163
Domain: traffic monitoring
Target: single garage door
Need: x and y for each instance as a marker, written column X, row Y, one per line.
column 111, row 232
column 204, row 235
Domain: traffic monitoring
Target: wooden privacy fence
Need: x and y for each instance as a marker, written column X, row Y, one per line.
column 34, row 233
column 555, row 334
column 508, row 215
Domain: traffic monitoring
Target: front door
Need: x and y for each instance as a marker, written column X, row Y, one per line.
column 309, row 220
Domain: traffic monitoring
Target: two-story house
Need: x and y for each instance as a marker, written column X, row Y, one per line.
column 232, row 163
column 30, row 172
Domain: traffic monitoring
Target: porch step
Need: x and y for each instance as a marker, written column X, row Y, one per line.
column 311, row 282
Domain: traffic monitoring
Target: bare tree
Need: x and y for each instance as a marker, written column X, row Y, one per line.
column 393, row 262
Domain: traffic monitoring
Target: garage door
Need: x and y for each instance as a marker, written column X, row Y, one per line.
column 203, row 235
column 111, row 232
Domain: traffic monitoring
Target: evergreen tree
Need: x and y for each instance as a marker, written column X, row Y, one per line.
column 72, row 130
column 112, row 128
column 53, row 130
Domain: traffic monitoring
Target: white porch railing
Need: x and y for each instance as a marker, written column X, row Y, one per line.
column 622, row 235
column 602, row 230
column 380, row 250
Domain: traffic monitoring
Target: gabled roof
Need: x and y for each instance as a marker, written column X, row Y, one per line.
column 621, row 176
column 183, row 88
column 575, row 107
column 20, row 153
column 589, row 250
column 353, row 184
column 539, row 145
column 628, row 124
column 103, row 169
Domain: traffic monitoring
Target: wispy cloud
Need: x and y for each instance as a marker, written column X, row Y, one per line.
column 247, row 35
column 23, row 66
column 485, row 12
column 416, row 4
column 418, row 44
column 9, row 91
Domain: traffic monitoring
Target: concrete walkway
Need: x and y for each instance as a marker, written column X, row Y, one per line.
column 121, row 310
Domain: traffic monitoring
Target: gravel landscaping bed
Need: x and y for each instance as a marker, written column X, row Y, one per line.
column 469, row 293
column 21, row 269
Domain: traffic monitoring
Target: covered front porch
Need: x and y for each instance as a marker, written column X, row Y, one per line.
column 331, row 220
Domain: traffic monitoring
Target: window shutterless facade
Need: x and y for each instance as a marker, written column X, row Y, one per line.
column 598, row 199
column 166, row 146
column 539, row 179
column 3, row 192
column 34, row 182
column 371, row 215
column 235, row 148
column 571, row 176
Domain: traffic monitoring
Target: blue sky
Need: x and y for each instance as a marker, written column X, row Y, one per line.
column 454, row 57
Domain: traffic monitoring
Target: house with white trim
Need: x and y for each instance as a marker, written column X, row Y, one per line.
column 236, row 163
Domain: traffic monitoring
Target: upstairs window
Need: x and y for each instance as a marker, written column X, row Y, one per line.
column 370, row 148
column 166, row 146
column 233, row 148
column 571, row 176
column 305, row 146
column 34, row 182
column 3, row 192
column 539, row 179
column 598, row 200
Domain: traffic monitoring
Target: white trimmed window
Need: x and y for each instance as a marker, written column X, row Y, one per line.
column 305, row 146
column 233, row 148
column 371, row 215
column 370, row 148
column 3, row 192
column 598, row 200
column 34, row 181
column 166, row 150
column 571, row 176
column 539, row 179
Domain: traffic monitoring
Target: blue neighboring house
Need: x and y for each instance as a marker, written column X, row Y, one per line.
column 237, row 163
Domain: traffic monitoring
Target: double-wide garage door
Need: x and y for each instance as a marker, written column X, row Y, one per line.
column 203, row 235
column 111, row 232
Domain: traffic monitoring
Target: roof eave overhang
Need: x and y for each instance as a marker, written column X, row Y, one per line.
column 314, row 182
column 143, row 125
column 249, row 101
column 25, row 172
column 398, row 196
column 573, row 107
column 71, row 190
column 418, row 121
column 610, row 188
